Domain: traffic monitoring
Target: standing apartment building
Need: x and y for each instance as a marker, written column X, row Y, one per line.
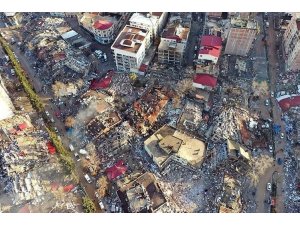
column 101, row 27
column 130, row 48
column 174, row 38
column 152, row 21
column 291, row 43
column 241, row 35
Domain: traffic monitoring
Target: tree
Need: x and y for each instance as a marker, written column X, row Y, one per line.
column 70, row 121
column 88, row 205
column 102, row 183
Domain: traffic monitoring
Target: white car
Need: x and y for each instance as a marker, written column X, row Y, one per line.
column 272, row 94
column 101, row 205
column 270, row 148
column 267, row 102
column 269, row 186
column 281, row 135
column 88, row 179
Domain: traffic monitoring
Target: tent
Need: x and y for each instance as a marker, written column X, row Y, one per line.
column 116, row 170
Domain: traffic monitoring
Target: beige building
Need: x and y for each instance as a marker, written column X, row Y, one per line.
column 168, row 144
column 102, row 27
column 172, row 45
column 241, row 35
column 130, row 48
column 291, row 43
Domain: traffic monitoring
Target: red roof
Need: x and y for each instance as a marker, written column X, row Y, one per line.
column 22, row 126
column 102, row 24
column 211, row 45
column 102, row 83
column 51, row 148
column 143, row 68
column 289, row 102
column 68, row 188
column 206, row 80
column 117, row 170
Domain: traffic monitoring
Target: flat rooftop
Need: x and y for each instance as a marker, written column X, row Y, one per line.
column 176, row 32
column 242, row 23
column 168, row 141
column 130, row 39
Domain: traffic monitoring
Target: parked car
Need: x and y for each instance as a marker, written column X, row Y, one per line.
column 97, row 194
column 270, row 148
column 272, row 94
column 77, row 156
column 267, row 102
column 101, row 204
column 281, row 135
column 269, row 186
column 88, row 179
column 47, row 113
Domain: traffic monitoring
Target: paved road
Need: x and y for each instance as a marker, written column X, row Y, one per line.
column 273, row 73
column 51, row 108
column 279, row 144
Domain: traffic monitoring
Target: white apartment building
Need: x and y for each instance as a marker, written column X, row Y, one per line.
column 130, row 48
column 291, row 43
column 152, row 21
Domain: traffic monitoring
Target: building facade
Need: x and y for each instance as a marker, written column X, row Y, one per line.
column 174, row 38
column 291, row 43
column 241, row 35
column 130, row 48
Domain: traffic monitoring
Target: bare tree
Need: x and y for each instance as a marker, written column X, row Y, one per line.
column 102, row 183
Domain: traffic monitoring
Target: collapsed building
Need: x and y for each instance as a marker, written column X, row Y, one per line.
column 230, row 201
column 148, row 108
column 168, row 144
column 103, row 123
column 24, row 153
column 142, row 195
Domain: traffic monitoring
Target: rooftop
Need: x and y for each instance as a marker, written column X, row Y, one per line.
column 142, row 18
column 205, row 80
column 97, row 21
column 130, row 39
column 211, row 45
column 176, row 32
column 102, row 24
column 242, row 23
column 168, row 141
